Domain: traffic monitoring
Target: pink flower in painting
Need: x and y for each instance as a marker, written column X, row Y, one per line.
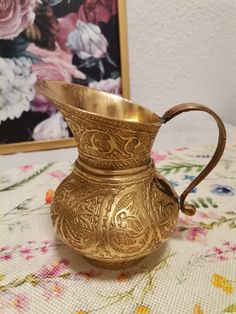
column 57, row 174
column 15, row 17
column 19, row 302
column 226, row 243
column 158, row 157
column 53, row 271
column 6, row 257
column 93, row 11
column 56, row 66
column 26, row 167
column 52, row 289
column 196, row 234
column 67, row 25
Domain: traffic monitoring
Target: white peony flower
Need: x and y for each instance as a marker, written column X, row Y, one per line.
column 16, row 87
column 112, row 86
column 51, row 128
column 87, row 41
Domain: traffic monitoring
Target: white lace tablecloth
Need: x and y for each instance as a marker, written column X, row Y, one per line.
column 194, row 272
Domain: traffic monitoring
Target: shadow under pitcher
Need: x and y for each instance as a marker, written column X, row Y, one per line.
column 115, row 208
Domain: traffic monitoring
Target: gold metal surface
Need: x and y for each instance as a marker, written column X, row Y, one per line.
column 114, row 208
column 125, row 87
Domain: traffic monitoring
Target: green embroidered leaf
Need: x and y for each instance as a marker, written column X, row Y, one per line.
column 232, row 225
column 231, row 308
column 181, row 228
column 177, row 167
column 22, row 182
column 230, row 213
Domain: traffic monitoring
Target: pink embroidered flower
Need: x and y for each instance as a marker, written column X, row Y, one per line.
column 226, row 243
column 57, row 174
column 4, row 248
column 158, row 157
column 6, row 257
column 222, row 258
column 208, row 215
column 44, row 249
column 233, row 248
column 46, row 242
column 15, row 16
column 26, row 167
column 52, row 289
column 196, row 234
column 185, row 220
column 28, row 257
column 19, row 302
column 25, row 251
column 181, row 148
column 217, row 250
column 56, row 269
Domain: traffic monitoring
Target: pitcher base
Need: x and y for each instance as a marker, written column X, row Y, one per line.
column 113, row 265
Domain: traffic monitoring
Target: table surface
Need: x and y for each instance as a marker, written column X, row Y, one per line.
column 194, row 272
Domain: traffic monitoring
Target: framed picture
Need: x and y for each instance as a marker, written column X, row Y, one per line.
column 78, row 41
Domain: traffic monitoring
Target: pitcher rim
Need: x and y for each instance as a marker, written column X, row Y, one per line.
column 157, row 123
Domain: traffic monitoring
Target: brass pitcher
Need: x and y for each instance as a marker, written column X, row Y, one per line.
column 115, row 208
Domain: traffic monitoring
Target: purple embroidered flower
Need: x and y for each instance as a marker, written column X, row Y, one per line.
column 187, row 177
column 223, row 190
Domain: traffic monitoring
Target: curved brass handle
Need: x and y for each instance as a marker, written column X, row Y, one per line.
column 189, row 209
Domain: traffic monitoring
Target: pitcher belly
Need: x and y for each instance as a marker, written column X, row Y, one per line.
column 114, row 220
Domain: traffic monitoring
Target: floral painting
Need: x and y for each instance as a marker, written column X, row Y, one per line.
column 74, row 41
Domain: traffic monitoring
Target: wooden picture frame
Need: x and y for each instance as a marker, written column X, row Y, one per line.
column 125, row 87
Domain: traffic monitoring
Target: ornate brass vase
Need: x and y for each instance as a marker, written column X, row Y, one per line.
column 115, row 208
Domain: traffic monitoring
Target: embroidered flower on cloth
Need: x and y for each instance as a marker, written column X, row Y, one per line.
column 221, row 282
column 49, row 196
column 197, row 309
column 142, row 309
column 196, row 234
column 223, row 190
